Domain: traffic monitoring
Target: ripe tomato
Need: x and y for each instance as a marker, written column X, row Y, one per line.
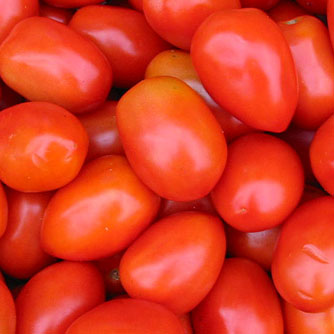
column 243, row 300
column 172, row 140
column 7, row 310
column 71, row 3
column 286, row 10
column 314, row 6
column 44, row 60
column 42, row 146
column 56, row 296
column 125, row 38
column 3, row 211
column 302, row 267
column 256, row 69
column 21, row 255
column 180, row 255
column 98, row 214
column 322, row 155
column 261, row 4
column 58, row 14
column 261, row 185
column 127, row 316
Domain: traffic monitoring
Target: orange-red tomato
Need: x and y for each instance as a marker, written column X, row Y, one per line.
column 44, row 60
column 261, row 4
column 71, row 3
column 3, row 211
column 98, row 214
column 7, row 311
column 172, row 140
column 286, row 10
column 180, row 255
column 261, row 185
column 314, row 6
column 243, row 300
column 58, row 14
column 125, row 38
column 42, row 146
column 255, row 69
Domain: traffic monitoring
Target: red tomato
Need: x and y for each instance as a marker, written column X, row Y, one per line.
column 8, row 97
column 178, row 64
column 56, row 296
column 127, row 316
column 137, row 4
column 181, row 255
column 44, row 60
column 42, row 146
column 286, row 10
column 3, row 211
column 71, row 3
column 186, row 323
column 314, row 6
column 58, row 14
column 177, row 20
column 21, row 255
column 7, row 311
column 261, row 185
column 172, row 140
column 261, row 4
column 303, row 262
column 98, row 214
column 322, row 155
column 125, row 38
column 256, row 69
column 243, row 300
column 102, row 131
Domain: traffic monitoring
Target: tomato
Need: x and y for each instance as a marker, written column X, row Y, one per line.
column 299, row 322
column 102, row 131
column 58, row 295
column 314, row 6
column 98, row 214
column 44, row 60
column 58, row 14
column 330, row 19
column 137, row 4
column 178, row 64
column 21, row 255
column 180, row 255
column 172, row 140
column 125, row 38
column 256, row 70
column 7, row 311
column 286, row 10
column 322, row 155
column 14, row 11
column 3, row 211
column 71, row 3
column 243, row 300
column 302, row 267
column 8, row 97
column 42, row 146
column 177, row 20
column 127, row 316
column 186, row 323
column 261, row 4
column 261, row 185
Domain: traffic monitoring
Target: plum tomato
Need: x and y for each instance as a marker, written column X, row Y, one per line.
column 58, row 14
column 314, row 6
column 286, row 10
column 7, row 311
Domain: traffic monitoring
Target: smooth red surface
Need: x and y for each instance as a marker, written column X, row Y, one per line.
column 58, row 14
column 44, row 60
column 286, row 10
column 100, row 213
column 302, row 267
column 7, row 310
column 172, row 140
column 244, row 51
column 261, row 4
column 314, row 6
column 72, row 3
column 42, row 146
column 243, row 300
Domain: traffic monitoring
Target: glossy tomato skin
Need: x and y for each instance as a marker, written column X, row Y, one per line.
column 314, row 6
column 261, row 4
column 3, row 211
column 12, row 12
column 322, row 155
column 171, row 139
column 261, row 185
column 127, row 316
column 178, row 64
column 243, row 300
column 21, row 255
column 286, row 10
column 180, row 255
column 44, row 60
column 58, row 295
column 302, row 267
column 42, row 146
column 58, row 14
column 125, row 38
column 102, row 131
column 109, row 201
column 7, row 310
column 71, row 3
column 256, row 70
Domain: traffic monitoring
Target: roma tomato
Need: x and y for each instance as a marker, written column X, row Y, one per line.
column 243, row 300
column 58, row 295
column 125, row 38
column 286, row 10
column 261, row 185
column 261, row 4
column 256, row 70
column 3, row 211
column 172, row 140
column 322, row 155
column 314, row 6
column 303, row 261
column 42, row 146
column 44, row 60
column 7, row 310
column 180, row 255
column 71, row 3
column 98, row 214
column 127, row 316
column 58, row 14
column 21, row 255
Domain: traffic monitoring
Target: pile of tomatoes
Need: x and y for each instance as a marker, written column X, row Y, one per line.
column 167, row 167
